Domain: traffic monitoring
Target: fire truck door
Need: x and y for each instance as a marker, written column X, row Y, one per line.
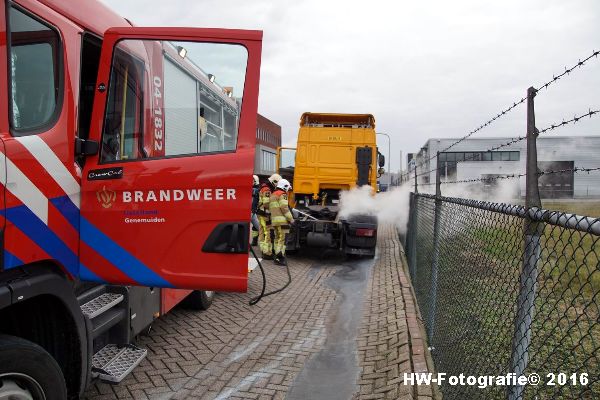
column 166, row 186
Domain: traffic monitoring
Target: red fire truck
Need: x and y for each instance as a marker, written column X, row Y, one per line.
column 124, row 171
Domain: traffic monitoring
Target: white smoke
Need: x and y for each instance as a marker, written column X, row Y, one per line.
column 393, row 206
column 390, row 207
column 496, row 191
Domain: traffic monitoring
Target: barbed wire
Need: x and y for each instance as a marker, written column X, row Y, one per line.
column 567, row 71
column 513, row 176
column 554, row 79
column 575, row 119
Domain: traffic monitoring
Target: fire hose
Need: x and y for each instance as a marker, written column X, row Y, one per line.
column 306, row 214
column 256, row 299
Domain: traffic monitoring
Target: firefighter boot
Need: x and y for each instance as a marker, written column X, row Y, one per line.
column 280, row 259
column 267, row 256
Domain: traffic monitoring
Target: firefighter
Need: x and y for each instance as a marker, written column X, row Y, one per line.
column 281, row 219
column 264, row 219
column 254, row 221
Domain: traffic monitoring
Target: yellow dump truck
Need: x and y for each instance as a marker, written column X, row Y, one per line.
column 334, row 152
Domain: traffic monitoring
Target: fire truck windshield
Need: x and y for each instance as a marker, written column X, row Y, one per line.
column 171, row 99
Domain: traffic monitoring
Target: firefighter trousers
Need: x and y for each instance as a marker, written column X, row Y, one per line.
column 280, row 237
column 264, row 236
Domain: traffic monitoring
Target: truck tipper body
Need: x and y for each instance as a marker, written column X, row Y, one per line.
column 334, row 152
column 124, row 179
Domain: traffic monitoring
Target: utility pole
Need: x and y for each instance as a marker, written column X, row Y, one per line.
column 400, row 168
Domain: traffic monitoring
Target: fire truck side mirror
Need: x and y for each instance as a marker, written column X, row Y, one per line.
column 86, row 147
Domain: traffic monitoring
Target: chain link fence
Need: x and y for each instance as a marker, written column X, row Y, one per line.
column 502, row 289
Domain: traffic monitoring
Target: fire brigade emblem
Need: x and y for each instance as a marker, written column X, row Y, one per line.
column 106, row 197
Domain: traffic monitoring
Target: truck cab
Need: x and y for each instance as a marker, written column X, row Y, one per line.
column 334, row 152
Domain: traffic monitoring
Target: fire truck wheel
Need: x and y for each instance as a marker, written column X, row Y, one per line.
column 27, row 371
column 200, row 299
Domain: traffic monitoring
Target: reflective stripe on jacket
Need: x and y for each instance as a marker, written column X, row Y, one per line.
column 280, row 212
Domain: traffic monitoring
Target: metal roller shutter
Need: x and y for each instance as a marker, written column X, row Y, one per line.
column 181, row 112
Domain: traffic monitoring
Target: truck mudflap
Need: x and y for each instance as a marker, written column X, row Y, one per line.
column 360, row 235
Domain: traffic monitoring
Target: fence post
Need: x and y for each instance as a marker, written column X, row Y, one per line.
column 414, row 226
column 436, row 250
column 528, row 278
column 409, row 229
column 416, row 186
column 412, row 236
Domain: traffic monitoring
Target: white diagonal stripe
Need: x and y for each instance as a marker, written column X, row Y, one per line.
column 19, row 185
column 57, row 170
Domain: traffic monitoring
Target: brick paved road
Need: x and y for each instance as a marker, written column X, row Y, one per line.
column 341, row 330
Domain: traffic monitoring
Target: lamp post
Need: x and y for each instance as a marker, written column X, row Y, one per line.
column 389, row 155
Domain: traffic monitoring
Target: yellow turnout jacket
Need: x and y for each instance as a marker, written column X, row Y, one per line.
column 280, row 211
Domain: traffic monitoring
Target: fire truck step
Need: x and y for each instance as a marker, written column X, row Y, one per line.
column 113, row 363
column 100, row 304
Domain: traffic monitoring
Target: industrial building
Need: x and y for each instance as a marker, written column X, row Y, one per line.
column 471, row 159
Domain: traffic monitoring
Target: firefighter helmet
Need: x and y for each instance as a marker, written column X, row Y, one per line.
column 284, row 184
column 255, row 181
column 274, row 179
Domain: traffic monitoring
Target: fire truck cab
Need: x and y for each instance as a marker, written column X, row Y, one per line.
column 125, row 163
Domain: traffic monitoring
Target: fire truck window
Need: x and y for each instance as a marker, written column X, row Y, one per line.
column 90, row 61
column 123, row 125
column 288, row 158
column 191, row 99
column 34, row 72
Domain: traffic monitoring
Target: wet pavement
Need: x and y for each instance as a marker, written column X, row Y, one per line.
column 341, row 330
column 333, row 372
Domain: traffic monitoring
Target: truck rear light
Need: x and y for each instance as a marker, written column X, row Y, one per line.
column 365, row 232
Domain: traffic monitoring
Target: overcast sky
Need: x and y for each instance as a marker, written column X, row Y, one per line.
column 425, row 69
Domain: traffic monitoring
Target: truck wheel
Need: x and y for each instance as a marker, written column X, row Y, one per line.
column 28, row 372
column 200, row 299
